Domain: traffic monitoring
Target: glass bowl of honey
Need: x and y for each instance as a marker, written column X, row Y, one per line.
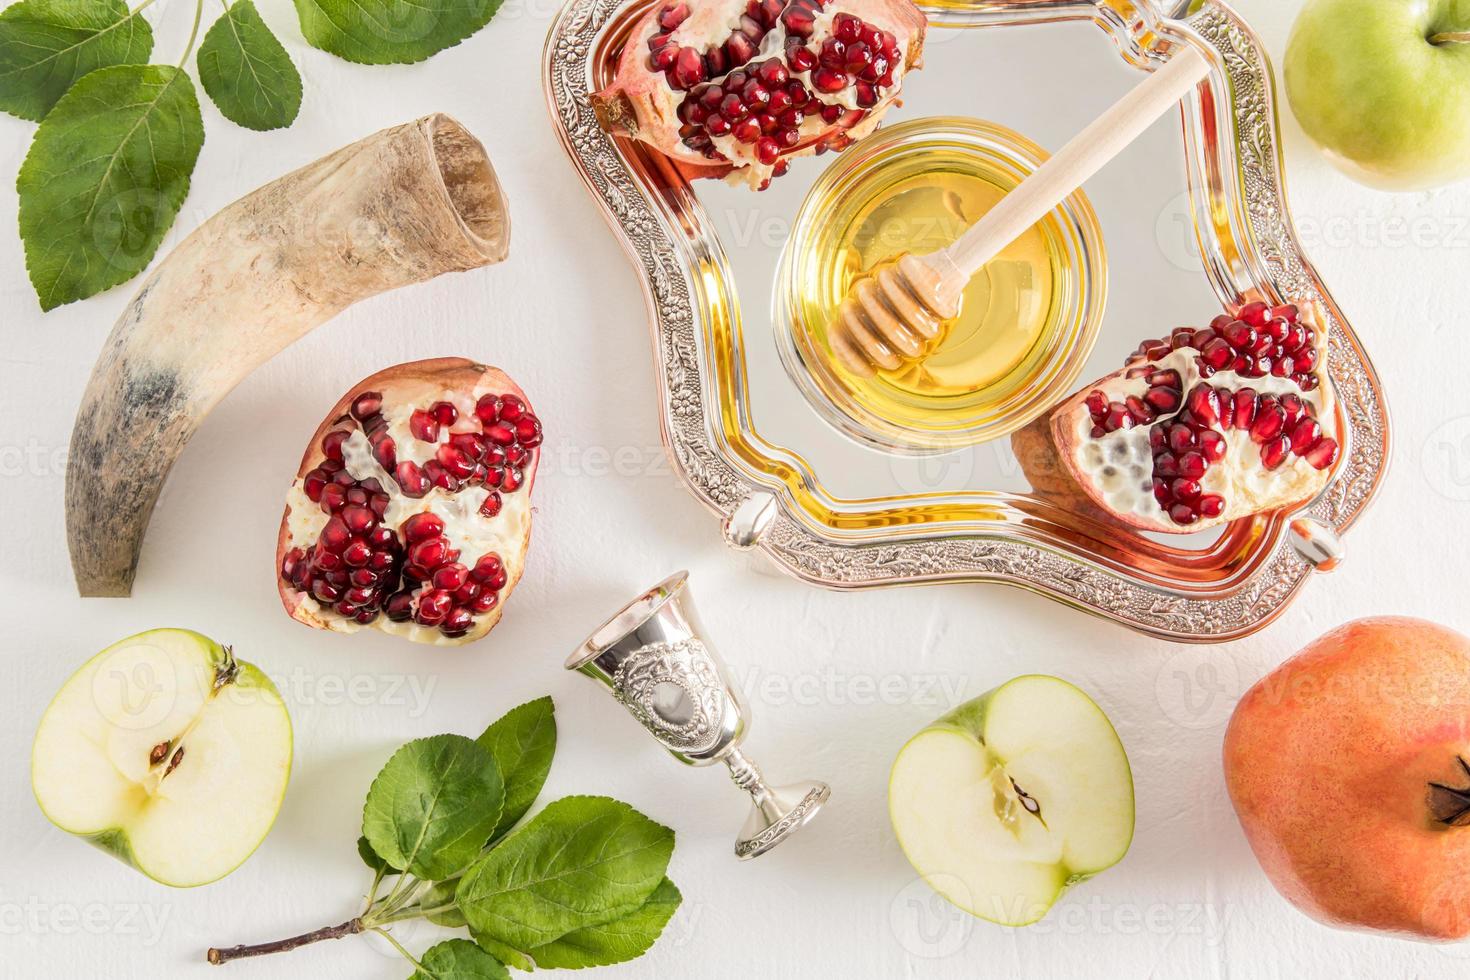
column 1026, row 323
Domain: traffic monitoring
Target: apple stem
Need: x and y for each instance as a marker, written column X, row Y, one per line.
column 1451, row 37
column 351, row 927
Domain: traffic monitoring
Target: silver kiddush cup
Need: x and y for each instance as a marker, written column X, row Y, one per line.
column 655, row 659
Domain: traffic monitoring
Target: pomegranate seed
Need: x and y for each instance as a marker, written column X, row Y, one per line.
column 1139, row 411
column 335, row 535
column 688, row 70
column 434, row 605
column 492, row 504
column 1245, row 408
column 1323, row 454
column 747, row 131
column 411, row 479
column 1097, row 403
column 1181, row 438
column 488, row 567
column 1270, row 419
column 1304, row 435
column 1118, row 417
column 332, row 443
column 399, row 607
column 1212, row 445
column 1161, row 492
column 455, row 461
column 366, row 405
column 828, row 81
column 1192, row 466
column 767, row 150
column 511, row 481
column 717, row 125
column 313, row 484
column 1183, row 514
column 485, row 601
column 772, row 73
column 1211, row 505
column 451, row 577
column 1166, row 465
column 739, row 49
column 1185, row 489
column 459, row 620
column 798, row 21
column 500, row 434
column 429, row 554
column 423, row 426
column 422, row 527
column 1164, row 400
column 1204, row 404
column 1256, row 314
column 1274, row 451
column 358, row 519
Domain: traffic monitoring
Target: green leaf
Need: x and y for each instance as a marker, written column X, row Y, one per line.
column 580, row 862
column 523, row 743
column 512, row 958
column 441, row 896
column 371, row 858
column 46, row 45
column 391, row 32
column 459, row 959
column 105, row 177
column 432, row 807
column 617, row 941
column 247, row 72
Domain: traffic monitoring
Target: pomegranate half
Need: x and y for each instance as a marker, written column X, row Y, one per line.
column 1206, row 426
column 737, row 87
column 411, row 511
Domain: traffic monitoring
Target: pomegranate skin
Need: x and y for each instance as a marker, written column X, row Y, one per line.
column 420, row 387
column 1249, row 473
column 1329, row 760
column 643, row 104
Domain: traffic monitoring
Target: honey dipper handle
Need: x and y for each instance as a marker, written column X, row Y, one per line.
column 1084, row 155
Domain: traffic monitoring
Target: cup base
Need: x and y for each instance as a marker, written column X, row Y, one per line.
column 782, row 812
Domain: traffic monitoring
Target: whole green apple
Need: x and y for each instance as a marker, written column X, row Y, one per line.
column 1383, row 86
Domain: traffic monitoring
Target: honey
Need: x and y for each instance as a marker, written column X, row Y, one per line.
column 1025, row 324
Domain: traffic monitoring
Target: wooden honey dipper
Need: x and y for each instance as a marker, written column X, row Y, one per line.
column 891, row 315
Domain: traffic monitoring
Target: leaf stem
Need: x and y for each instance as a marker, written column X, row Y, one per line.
column 1450, row 37
column 399, row 946
column 217, row 956
column 193, row 32
column 141, row 7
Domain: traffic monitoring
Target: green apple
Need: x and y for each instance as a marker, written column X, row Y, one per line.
column 166, row 752
column 1011, row 798
column 1383, row 86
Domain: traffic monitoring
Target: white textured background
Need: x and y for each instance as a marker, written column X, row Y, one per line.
column 838, row 681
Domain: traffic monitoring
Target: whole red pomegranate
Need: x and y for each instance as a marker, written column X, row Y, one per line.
column 411, row 511
column 1204, row 427
column 740, row 86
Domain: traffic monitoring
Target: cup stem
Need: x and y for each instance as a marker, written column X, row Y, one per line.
column 747, row 775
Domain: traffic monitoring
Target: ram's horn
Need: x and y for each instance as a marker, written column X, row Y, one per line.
column 400, row 207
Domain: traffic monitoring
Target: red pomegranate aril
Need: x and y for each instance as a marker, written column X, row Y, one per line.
column 460, row 619
column 1256, row 314
column 423, row 426
column 767, row 150
column 1138, row 410
column 1323, row 454
column 485, row 601
column 358, row 518
column 1161, row 492
column 488, row 567
column 335, row 535
column 433, row 606
column 1204, row 404
column 357, row 554
column 1181, row 439
column 1192, row 465
column 411, row 479
column 1097, row 403
column 1185, row 489
column 1270, row 420
column 511, row 481
column 688, row 70
column 439, row 475
column 1164, row 400
column 772, row 73
column 428, row 554
column 1212, row 445
column 1304, row 435
column 828, row 81
column 1211, row 505
column 313, row 484
column 450, row 577
column 366, row 405
column 1117, row 417
column 491, row 506
column 422, row 527
column 799, row 21
column 332, row 443
column 399, row 607
column 455, row 461
column 1166, row 465
column 1274, row 452
column 747, row 131
column 1183, row 515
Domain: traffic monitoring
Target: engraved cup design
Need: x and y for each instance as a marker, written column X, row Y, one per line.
column 653, row 658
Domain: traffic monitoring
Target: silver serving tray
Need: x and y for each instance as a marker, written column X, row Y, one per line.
column 770, row 497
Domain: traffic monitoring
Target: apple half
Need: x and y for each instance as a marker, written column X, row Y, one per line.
column 1011, row 798
column 166, row 752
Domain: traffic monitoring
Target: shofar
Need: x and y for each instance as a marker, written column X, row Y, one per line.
column 399, row 207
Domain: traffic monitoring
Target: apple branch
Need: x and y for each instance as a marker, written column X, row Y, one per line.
column 217, row 956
